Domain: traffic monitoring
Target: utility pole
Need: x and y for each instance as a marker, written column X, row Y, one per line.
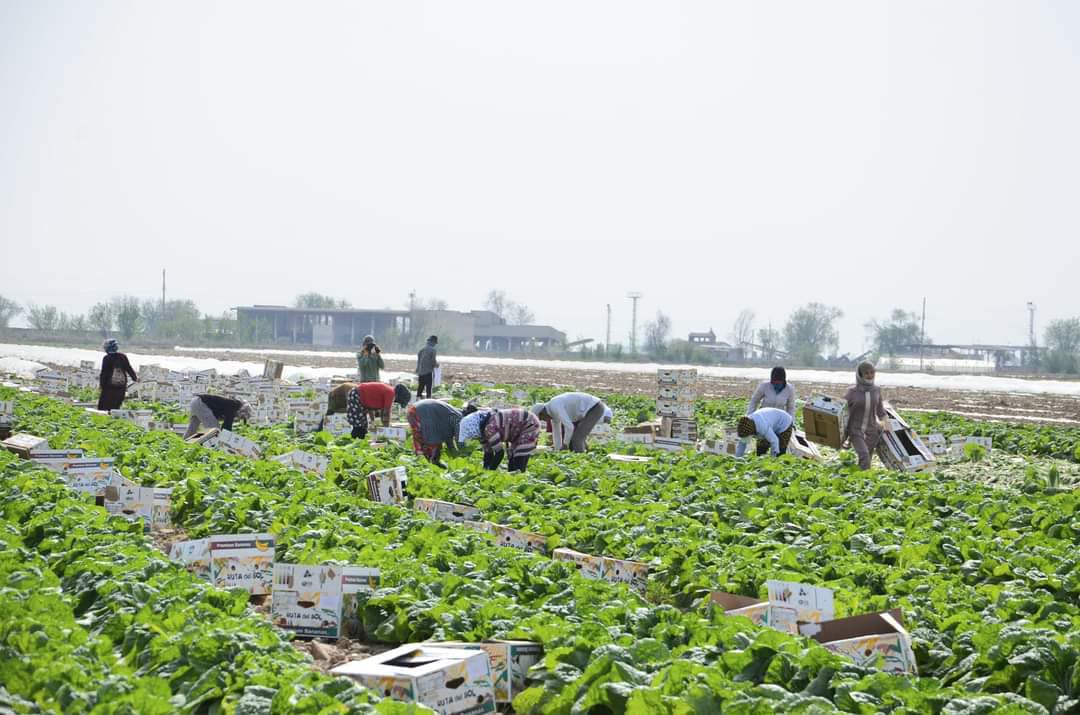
column 635, row 296
column 1034, row 360
column 922, row 335
column 163, row 293
column 607, row 340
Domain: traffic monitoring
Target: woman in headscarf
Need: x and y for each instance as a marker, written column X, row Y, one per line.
column 369, row 360
column 866, row 413
column 434, row 423
column 513, row 430
column 777, row 392
column 115, row 371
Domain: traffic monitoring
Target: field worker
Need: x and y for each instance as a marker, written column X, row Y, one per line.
column 434, row 423
column 573, row 416
column 206, row 410
column 426, row 362
column 369, row 360
column 369, row 400
column 777, row 392
column 773, row 427
column 514, row 430
column 866, row 413
column 337, row 401
column 115, row 371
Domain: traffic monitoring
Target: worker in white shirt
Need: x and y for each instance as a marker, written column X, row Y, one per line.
column 777, row 392
column 573, row 416
column 772, row 427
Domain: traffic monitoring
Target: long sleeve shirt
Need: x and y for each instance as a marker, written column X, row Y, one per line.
column 426, row 360
column 369, row 364
column 769, row 422
column 115, row 361
column 766, row 396
column 566, row 409
column 864, row 405
column 439, row 421
column 224, row 408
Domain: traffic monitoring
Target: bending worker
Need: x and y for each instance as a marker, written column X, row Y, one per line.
column 514, row 430
column 573, row 416
column 206, row 410
column 773, row 428
column 365, row 402
column 434, row 423
column 866, row 414
column 115, row 371
column 777, row 392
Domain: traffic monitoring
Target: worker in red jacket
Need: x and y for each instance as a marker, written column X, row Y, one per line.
column 371, row 400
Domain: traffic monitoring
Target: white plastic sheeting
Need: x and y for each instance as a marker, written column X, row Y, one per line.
column 963, row 383
column 24, row 359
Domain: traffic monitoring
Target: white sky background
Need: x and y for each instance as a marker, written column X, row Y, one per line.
column 714, row 156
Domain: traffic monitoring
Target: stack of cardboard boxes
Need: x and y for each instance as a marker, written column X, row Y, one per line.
column 901, row 449
column 676, row 393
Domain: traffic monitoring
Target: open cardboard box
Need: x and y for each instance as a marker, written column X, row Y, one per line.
column 23, row 444
column 901, row 449
column 825, row 420
column 510, row 663
column 450, row 681
column 316, row 600
column 799, row 446
column 788, row 604
column 518, row 539
column 872, row 640
column 447, row 511
column 387, row 486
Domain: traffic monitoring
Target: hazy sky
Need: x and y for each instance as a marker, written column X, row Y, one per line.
column 714, row 156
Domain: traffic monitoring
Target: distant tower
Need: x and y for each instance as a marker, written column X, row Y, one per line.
column 607, row 341
column 1031, row 324
column 635, row 296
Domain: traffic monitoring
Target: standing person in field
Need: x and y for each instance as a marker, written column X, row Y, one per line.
column 777, row 392
column 369, row 360
column 773, row 428
column 206, row 410
column 514, row 430
column 426, row 362
column 573, row 416
column 866, row 414
column 115, row 371
column 434, row 423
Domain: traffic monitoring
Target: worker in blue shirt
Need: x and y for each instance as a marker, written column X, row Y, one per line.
column 772, row 427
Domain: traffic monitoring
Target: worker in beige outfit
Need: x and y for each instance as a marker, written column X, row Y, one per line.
column 866, row 414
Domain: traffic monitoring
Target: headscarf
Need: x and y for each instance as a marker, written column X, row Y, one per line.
column 746, row 427
column 778, row 379
column 470, row 426
column 402, row 396
column 110, row 346
column 864, row 382
column 608, row 414
column 538, row 408
column 433, row 340
column 368, row 341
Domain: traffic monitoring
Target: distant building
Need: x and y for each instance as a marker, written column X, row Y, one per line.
column 479, row 330
column 708, row 338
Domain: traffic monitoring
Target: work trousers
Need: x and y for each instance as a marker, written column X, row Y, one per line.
column 584, row 426
column 784, row 438
column 864, row 444
column 424, row 382
column 493, row 458
column 201, row 414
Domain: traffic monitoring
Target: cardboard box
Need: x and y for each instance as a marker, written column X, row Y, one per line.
column 73, row 464
column 305, row 461
column 22, row 444
column 7, row 408
column 674, row 445
column 762, row 613
column 636, row 437
column 825, row 420
column 676, row 377
column 140, row 417
column 395, row 432
column 812, row 604
column 518, row 539
column 668, row 408
column 872, row 640
column 388, row 486
column 243, row 561
column 356, row 580
column 634, row 574
column 630, row 458
column 129, row 500
column 233, row 443
column 272, row 369
column 207, row 438
column 90, row 481
column 937, row 444
column 447, row 680
column 957, row 444
column 194, row 555
column 510, row 662
column 447, row 511
column 45, row 453
column 307, row 599
column 587, row 565
column 803, row 448
column 902, row 449
column 726, row 443
column 484, row 527
column 677, row 393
